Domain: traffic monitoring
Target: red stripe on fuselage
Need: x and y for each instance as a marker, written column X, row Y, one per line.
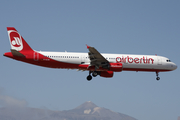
column 41, row 61
column 145, row 70
column 48, row 62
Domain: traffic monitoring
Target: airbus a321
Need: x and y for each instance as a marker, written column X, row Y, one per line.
column 95, row 62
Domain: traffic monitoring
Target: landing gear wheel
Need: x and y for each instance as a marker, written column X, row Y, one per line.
column 89, row 77
column 157, row 74
column 94, row 74
column 158, row 78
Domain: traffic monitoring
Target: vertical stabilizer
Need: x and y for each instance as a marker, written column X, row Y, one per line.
column 16, row 40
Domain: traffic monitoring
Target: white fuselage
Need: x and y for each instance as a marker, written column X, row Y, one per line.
column 130, row 62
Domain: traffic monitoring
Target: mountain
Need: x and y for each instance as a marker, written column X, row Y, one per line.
column 178, row 118
column 90, row 109
column 86, row 111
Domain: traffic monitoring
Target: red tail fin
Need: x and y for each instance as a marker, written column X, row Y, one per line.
column 16, row 40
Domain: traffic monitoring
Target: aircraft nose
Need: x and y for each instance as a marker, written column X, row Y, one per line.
column 174, row 66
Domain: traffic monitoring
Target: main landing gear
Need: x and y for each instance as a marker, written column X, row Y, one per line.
column 157, row 74
column 94, row 74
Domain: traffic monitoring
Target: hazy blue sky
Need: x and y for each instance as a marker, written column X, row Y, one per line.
column 118, row 26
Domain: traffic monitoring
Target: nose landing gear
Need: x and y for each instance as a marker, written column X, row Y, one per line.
column 157, row 74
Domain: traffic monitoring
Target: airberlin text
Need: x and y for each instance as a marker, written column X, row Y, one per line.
column 136, row 60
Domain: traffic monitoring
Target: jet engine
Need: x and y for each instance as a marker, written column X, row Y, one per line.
column 116, row 67
column 106, row 74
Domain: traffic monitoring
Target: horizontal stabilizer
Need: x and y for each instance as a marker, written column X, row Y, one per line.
column 17, row 53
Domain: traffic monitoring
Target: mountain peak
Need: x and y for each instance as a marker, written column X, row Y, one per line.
column 90, row 109
column 87, row 105
column 85, row 108
column 86, row 111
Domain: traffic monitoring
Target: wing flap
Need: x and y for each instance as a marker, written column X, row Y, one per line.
column 96, row 59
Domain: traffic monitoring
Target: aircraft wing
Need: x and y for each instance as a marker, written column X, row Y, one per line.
column 96, row 59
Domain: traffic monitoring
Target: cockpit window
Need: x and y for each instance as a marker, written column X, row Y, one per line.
column 168, row 60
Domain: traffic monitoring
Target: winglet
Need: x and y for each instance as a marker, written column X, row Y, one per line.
column 87, row 46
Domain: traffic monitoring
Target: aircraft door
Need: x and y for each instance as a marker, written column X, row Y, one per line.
column 82, row 59
column 159, row 61
column 36, row 56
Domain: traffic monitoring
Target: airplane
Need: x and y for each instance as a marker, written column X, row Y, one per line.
column 96, row 63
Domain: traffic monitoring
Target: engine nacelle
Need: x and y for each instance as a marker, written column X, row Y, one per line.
column 106, row 74
column 116, row 67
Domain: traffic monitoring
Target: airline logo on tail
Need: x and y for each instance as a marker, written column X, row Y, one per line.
column 15, row 40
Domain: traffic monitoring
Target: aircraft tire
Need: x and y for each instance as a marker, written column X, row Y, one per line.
column 158, row 78
column 89, row 77
column 94, row 74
